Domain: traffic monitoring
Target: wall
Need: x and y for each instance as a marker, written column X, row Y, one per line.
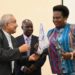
column 71, row 6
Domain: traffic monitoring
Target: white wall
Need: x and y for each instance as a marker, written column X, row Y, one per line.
column 39, row 11
column 71, row 5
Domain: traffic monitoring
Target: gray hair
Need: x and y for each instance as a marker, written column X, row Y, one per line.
column 5, row 19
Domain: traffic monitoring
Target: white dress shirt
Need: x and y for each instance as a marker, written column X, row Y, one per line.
column 27, row 41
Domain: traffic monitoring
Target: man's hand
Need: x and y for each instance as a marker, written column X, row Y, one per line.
column 24, row 48
column 34, row 57
column 26, row 70
column 32, row 68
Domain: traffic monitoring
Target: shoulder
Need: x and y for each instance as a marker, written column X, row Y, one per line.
column 72, row 26
column 33, row 36
column 72, row 29
column 19, row 37
column 50, row 32
column 1, row 34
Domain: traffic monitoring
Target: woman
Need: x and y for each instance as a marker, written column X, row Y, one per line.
column 60, row 43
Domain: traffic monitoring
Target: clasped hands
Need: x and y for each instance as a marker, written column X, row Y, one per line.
column 33, row 57
column 26, row 47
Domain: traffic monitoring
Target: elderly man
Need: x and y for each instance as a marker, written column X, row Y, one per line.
column 8, row 47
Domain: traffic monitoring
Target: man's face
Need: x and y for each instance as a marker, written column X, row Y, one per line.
column 58, row 19
column 27, row 29
column 11, row 25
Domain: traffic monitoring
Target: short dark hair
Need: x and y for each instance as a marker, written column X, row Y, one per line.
column 63, row 9
column 27, row 21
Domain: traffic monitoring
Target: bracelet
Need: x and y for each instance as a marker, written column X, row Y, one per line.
column 71, row 55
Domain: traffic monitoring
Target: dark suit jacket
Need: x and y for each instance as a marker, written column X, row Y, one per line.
column 7, row 54
column 38, row 64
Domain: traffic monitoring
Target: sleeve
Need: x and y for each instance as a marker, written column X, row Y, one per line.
column 40, row 62
column 17, row 67
column 8, row 54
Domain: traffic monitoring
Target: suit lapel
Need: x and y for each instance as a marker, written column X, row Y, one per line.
column 5, row 41
column 13, row 42
column 22, row 40
column 33, row 42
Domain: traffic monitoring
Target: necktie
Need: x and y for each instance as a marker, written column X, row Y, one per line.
column 28, row 42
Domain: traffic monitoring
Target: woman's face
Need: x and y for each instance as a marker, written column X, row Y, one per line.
column 58, row 19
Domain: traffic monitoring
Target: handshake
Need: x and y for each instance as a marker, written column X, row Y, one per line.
column 25, row 47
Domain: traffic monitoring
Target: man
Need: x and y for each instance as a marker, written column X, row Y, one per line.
column 8, row 47
column 26, row 67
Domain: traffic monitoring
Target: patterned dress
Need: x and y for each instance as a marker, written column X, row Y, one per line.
column 59, row 41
